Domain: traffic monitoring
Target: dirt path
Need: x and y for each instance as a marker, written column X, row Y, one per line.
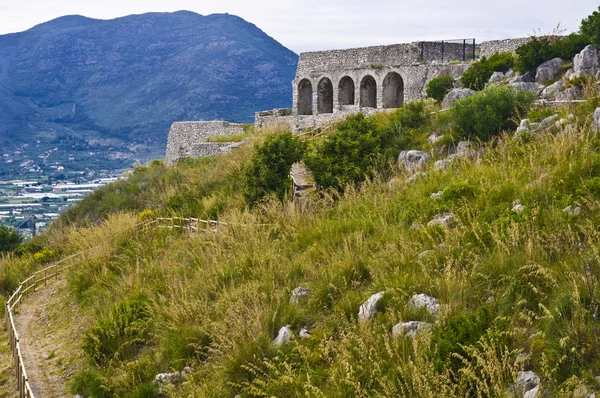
column 49, row 332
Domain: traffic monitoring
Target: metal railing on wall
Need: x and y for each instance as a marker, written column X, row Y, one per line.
column 448, row 50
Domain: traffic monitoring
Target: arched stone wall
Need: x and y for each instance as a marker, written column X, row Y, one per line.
column 393, row 91
column 368, row 92
column 305, row 97
column 325, row 96
column 346, row 90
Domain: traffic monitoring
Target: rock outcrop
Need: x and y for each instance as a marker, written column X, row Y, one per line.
column 300, row 294
column 535, row 88
column 369, row 308
column 443, row 220
column 409, row 329
column 587, row 62
column 413, row 160
column 549, row 70
column 283, row 337
column 596, row 125
column 419, row 301
column 455, row 95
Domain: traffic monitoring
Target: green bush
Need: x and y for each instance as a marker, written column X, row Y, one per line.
column 540, row 50
column 347, row 155
column 118, row 335
column 457, row 191
column 590, row 28
column 490, row 112
column 10, row 239
column 438, row 87
column 269, row 171
column 479, row 72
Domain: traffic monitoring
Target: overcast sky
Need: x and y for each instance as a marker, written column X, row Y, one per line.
column 319, row 24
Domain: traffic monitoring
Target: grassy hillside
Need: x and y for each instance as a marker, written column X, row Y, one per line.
column 518, row 290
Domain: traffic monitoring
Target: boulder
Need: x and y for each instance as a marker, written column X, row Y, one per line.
column 523, row 126
column 442, row 164
column 368, row 309
column 413, row 160
column 509, row 73
column 596, row 125
column 587, row 62
column 527, row 381
column 497, row 77
column 304, row 333
column 299, row 294
column 463, row 148
column 572, row 211
column 535, row 88
column 455, row 95
column 433, row 138
column 409, row 329
column 415, row 176
column 548, row 122
column 518, row 208
column 533, row 393
column 569, row 94
column 283, row 337
column 436, row 195
column 548, row 92
column 549, row 70
column 443, row 220
column 526, row 78
column 419, row 301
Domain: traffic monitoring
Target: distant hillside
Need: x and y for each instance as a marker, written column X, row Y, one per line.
column 122, row 82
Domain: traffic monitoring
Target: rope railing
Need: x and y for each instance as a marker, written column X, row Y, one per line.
column 40, row 278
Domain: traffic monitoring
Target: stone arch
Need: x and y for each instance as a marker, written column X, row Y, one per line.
column 325, row 96
column 368, row 92
column 346, row 91
column 393, row 91
column 305, row 97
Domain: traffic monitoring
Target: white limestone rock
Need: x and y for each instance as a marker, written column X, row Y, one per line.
column 497, row 77
column 409, row 329
column 433, row 138
column 463, row 148
column 548, row 122
column 587, row 62
column 572, row 211
column 596, row 125
column 368, row 309
column 551, row 90
column 549, row 70
column 419, row 301
column 535, row 88
column 283, row 337
column 525, row 78
column 569, row 94
column 299, row 294
column 518, row 208
column 413, row 160
column 533, row 393
column 436, row 195
column 455, row 95
column 443, row 220
column 426, row 253
column 527, row 380
column 304, row 333
column 415, row 176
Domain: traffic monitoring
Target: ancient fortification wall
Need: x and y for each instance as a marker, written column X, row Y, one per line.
column 188, row 139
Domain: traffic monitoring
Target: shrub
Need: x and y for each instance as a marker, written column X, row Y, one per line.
column 10, row 239
column 479, row 72
column 346, row 156
column 117, row 335
column 540, row 50
column 590, row 28
column 269, row 171
column 490, row 112
column 457, row 191
column 438, row 87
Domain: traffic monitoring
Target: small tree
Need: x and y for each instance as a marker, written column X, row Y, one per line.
column 438, row 87
column 479, row 72
column 269, row 171
column 10, row 239
column 590, row 27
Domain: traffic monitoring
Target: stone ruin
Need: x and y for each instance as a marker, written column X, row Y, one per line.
column 330, row 85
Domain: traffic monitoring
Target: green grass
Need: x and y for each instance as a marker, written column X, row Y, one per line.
column 517, row 290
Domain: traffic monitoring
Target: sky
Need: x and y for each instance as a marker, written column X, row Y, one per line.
column 310, row 25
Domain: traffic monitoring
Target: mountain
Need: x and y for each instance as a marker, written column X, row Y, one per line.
column 117, row 85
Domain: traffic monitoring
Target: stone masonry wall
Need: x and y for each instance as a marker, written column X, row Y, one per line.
column 188, row 139
column 489, row 48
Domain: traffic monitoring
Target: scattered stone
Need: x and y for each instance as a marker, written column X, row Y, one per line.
column 413, row 160
column 442, row 164
column 168, row 378
column 409, row 329
column 535, row 88
column 300, row 293
column 369, row 308
column 533, row 393
column 526, row 78
column 419, row 301
column 283, row 337
column 455, row 95
column 548, row 122
column 415, row 176
column 463, row 148
column 523, row 127
column 433, row 138
column 551, row 90
column 569, row 94
column 425, row 253
column 497, row 77
column 436, row 195
column 443, row 220
column 572, row 211
column 527, row 380
column 392, row 183
column 587, row 62
column 534, row 126
column 596, row 125
column 304, row 333
column 509, row 73
column 549, row 70
column 490, row 300
column 518, row 208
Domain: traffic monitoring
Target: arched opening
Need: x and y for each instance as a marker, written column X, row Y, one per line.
column 346, row 91
column 368, row 92
column 325, row 96
column 393, row 91
column 305, row 97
